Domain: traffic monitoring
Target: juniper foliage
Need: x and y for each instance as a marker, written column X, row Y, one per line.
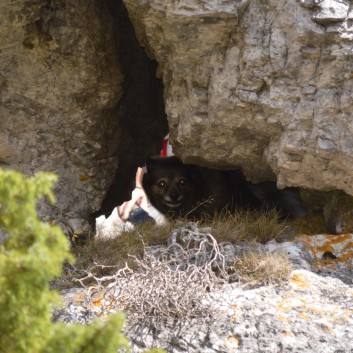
column 31, row 254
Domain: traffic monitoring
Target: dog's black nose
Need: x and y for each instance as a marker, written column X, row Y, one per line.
column 174, row 196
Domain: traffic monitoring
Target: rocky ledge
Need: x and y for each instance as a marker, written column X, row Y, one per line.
column 311, row 311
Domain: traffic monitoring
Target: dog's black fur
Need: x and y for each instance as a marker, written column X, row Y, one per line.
column 183, row 190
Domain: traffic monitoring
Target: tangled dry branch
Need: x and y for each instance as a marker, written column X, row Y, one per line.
column 171, row 282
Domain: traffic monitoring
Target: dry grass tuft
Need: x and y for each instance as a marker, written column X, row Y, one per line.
column 103, row 257
column 256, row 267
column 259, row 226
column 233, row 228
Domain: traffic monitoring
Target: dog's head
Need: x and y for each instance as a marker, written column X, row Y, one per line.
column 167, row 183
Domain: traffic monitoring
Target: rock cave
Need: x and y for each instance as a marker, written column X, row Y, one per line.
column 89, row 88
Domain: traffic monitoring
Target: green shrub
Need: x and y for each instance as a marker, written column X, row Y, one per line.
column 30, row 256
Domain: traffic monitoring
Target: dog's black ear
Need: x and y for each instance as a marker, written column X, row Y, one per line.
column 149, row 163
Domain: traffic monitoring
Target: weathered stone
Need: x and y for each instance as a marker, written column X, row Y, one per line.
column 257, row 85
column 331, row 11
column 60, row 80
column 311, row 312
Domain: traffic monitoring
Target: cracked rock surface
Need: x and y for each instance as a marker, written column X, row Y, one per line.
column 262, row 85
column 60, row 80
column 312, row 311
column 308, row 314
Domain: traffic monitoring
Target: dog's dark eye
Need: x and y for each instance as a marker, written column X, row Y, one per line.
column 182, row 181
column 162, row 184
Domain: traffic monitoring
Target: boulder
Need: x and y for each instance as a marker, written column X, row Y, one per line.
column 60, row 80
column 261, row 85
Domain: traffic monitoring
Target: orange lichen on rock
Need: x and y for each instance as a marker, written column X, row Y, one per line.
column 349, row 245
column 326, row 247
column 299, row 280
column 339, row 249
column 304, row 316
column 335, row 239
column 284, row 319
column 317, row 310
column 305, row 240
column 345, row 256
column 289, row 304
column 343, row 318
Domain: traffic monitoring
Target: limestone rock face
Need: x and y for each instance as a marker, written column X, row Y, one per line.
column 262, row 85
column 310, row 311
column 59, row 82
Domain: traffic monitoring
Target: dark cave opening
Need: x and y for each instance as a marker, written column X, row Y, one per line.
column 141, row 112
